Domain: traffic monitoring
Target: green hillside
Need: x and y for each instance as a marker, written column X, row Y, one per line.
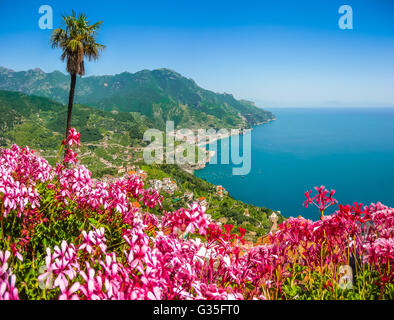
column 110, row 139
column 159, row 95
column 224, row 209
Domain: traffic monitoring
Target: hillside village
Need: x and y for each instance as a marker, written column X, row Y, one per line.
column 176, row 195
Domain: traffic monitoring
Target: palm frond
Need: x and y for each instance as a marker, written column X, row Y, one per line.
column 77, row 40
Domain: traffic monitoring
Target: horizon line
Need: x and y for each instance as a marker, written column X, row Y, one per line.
column 253, row 100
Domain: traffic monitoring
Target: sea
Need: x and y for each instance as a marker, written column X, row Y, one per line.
column 350, row 150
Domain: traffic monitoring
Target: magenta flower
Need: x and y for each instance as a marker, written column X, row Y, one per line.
column 72, row 138
column 322, row 199
column 70, row 157
column 8, row 290
column 177, row 255
column 93, row 239
column 62, row 264
column 69, row 293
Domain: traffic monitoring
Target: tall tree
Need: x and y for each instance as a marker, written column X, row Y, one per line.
column 77, row 39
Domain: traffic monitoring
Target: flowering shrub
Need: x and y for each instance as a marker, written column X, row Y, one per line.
column 321, row 200
column 8, row 291
column 67, row 236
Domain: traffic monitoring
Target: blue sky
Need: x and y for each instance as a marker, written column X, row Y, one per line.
column 279, row 53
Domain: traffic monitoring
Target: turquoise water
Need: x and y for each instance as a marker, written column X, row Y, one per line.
column 349, row 150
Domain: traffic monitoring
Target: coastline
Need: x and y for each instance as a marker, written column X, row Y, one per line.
column 211, row 153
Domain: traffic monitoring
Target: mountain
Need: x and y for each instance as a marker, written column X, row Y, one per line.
column 40, row 123
column 159, row 95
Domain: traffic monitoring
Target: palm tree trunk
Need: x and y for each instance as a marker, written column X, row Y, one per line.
column 70, row 103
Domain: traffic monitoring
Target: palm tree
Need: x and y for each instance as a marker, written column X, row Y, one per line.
column 77, row 40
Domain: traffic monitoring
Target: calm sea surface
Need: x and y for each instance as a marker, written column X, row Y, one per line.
column 349, row 150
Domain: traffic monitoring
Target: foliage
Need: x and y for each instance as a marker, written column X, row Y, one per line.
column 67, row 236
column 219, row 206
column 77, row 40
column 157, row 95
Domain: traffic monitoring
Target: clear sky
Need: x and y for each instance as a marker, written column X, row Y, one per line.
column 279, row 53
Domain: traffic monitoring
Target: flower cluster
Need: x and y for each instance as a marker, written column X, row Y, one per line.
column 62, row 264
column 20, row 171
column 116, row 248
column 322, row 199
column 8, row 291
column 379, row 243
column 187, row 220
column 73, row 138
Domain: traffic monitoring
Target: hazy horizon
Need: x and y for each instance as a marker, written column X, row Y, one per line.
column 277, row 54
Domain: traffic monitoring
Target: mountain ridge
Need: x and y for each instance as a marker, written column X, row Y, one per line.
column 160, row 95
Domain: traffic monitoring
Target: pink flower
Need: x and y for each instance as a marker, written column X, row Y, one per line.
column 69, row 293
column 321, row 199
column 20, row 171
column 70, row 157
column 92, row 239
column 187, row 220
column 8, row 290
column 155, row 294
column 72, row 138
column 62, row 264
column 138, row 242
column 154, row 256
